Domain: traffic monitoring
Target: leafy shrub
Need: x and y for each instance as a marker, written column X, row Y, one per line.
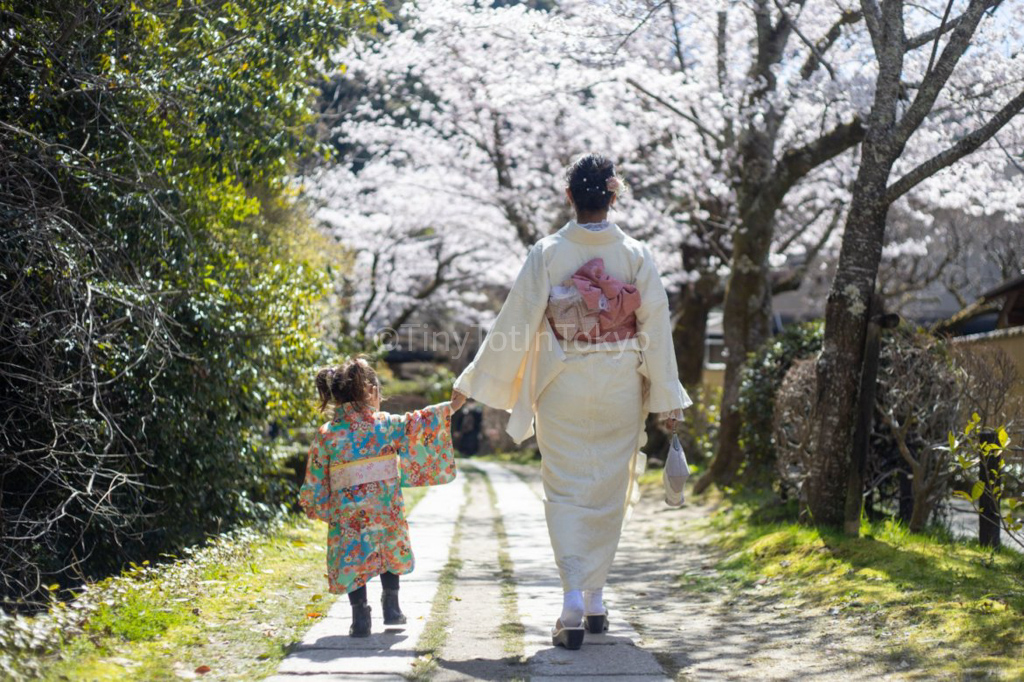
column 915, row 405
column 762, row 378
column 791, row 425
column 975, row 447
column 162, row 289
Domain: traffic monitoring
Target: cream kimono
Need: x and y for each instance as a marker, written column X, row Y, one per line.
column 587, row 401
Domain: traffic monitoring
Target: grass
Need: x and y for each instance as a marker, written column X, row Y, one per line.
column 512, row 630
column 435, row 633
column 235, row 618
column 950, row 610
column 237, row 615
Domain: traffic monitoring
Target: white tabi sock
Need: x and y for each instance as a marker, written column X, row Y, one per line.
column 572, row 609
column 593, row 602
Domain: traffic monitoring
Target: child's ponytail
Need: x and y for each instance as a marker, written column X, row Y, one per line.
column 352, row 382
column 324, row 379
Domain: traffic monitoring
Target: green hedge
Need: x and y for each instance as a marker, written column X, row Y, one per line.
column 762, row 377
column 162, row 290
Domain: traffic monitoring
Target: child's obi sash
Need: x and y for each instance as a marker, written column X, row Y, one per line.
column 366, row 470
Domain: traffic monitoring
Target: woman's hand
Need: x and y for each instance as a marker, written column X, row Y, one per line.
column 458, row 400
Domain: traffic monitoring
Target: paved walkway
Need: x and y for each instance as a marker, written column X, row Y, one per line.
column 460, row 522
column 328, row 653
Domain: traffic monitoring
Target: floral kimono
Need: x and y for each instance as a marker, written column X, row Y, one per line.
column 358, row 464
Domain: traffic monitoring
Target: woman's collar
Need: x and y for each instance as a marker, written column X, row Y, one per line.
column 581, row 235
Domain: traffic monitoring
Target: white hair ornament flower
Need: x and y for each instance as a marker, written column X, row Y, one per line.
column 615, row 185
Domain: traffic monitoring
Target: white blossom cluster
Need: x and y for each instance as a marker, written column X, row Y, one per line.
column 479, row 109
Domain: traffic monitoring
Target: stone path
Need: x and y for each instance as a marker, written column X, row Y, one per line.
column 478, row 643
column 701, row 627
column 328, row 653
column 613, row 655
column 483, row 541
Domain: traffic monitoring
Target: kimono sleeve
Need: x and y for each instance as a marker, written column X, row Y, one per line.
column 654, row 327
column 315, row 493
column 426, row 453
column 496, row 373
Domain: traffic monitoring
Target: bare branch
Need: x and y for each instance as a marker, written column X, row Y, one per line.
column 677, row 111
column 940, row 31
column 815, row 59
column 873, row 20
column 928, row 36
column 934, row 81
column 796, row 163
column 968, row 144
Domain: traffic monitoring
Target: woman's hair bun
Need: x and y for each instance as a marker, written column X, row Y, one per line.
column 587, row 178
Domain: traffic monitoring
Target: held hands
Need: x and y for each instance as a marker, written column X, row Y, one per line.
column 458, row 400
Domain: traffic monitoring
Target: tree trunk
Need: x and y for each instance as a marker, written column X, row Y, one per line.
column 690, row 330
column 839, row 367
column 921, row 509
column 746, row 318
column 862, row 435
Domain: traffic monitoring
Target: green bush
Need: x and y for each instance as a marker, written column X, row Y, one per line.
column 699, row 433
column 762, row 377
column 162, row 295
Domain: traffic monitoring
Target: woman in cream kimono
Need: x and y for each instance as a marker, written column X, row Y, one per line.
column 582, row 348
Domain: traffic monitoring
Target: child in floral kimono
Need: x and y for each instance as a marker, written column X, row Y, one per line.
column 358, row 463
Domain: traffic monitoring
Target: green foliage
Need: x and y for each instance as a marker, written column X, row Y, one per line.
column 762, row 377
column 439, row 385
column 699, row 431
column 975, row 447
column 136, row 620
column 163, row 289
column 236, row 604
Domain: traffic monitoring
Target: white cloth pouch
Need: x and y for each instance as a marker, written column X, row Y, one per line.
column 675, row 473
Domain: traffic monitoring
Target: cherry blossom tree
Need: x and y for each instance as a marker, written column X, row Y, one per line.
column 756, row 85
column 486, row 106
column 949, row 79
column 738, row 127
column 453, row 170
column 778, row 93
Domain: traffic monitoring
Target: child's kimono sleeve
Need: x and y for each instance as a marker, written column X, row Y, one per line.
column 426, row 455
column 315, row 493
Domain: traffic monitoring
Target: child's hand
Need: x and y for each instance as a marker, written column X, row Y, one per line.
column 458, row 400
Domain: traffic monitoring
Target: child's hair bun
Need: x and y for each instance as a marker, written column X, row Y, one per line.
column 350, row 382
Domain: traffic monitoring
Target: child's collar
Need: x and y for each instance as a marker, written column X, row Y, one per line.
column 346, row 409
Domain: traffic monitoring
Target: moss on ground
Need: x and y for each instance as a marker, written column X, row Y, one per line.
column 513, row 632
column 949, row 610
column 236, row 619
column 435, row 633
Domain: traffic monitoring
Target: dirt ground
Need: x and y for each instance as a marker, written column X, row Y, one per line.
column 702, row 626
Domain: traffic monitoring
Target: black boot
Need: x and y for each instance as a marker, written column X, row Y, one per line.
column 360, row 620
column 392, row 611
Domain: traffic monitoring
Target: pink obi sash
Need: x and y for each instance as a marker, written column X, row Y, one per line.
column 366, row 470
column 593, row 306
